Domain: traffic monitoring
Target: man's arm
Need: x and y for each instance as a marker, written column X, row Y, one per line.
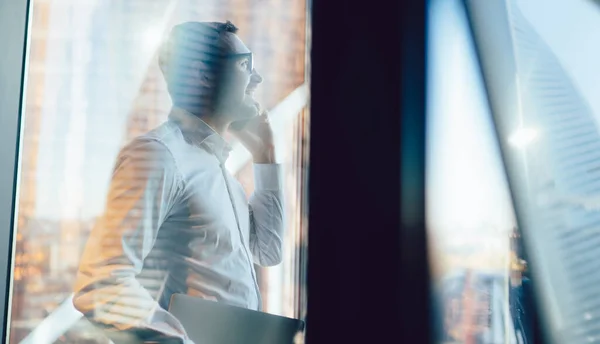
column 267, row 215
column 144, row 187
column 266, row 203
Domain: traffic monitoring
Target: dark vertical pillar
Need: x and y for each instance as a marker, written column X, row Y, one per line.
column 367, row 268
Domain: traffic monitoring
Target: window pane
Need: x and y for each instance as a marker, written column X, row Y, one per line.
column 93, row 86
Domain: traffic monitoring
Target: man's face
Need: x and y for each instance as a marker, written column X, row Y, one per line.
column 238, row 81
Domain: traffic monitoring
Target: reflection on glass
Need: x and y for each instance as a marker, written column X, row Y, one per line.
column 469, row 213
column 523, row 137
column 94, row 84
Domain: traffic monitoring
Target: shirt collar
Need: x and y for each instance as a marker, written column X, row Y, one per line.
column 200, row 132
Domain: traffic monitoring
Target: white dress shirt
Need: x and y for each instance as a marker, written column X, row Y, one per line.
column 176, row 221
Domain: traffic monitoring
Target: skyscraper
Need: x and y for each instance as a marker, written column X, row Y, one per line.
column 562, row 169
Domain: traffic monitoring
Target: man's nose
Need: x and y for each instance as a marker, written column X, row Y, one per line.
column 256, row 77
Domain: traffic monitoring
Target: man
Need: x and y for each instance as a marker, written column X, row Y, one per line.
column 176, row 221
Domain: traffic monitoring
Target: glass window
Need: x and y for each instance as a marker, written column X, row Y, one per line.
column 94, row 85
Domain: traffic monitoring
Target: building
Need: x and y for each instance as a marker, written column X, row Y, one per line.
column 562, row 170
column 474, row 308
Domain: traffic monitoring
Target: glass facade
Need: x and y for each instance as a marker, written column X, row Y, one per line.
column 560, row 168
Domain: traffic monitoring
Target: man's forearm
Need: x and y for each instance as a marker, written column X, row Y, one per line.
column 267, row 206
column 265, row 156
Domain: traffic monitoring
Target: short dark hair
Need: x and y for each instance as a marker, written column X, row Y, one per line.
column 193, row 39
column 189, row 42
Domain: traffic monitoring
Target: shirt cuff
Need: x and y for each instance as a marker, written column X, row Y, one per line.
column 268, row 177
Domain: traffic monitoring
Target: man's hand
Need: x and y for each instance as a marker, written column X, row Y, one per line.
column 257, row 137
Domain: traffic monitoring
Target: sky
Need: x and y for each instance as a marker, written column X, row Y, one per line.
column 572, row 30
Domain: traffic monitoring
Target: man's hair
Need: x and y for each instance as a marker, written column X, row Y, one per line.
column 189, row 42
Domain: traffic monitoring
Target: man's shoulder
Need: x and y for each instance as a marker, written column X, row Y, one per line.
column 161, row 140
column 167, row 133
column 156, row 144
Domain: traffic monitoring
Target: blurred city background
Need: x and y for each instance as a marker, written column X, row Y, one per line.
column 93, row 84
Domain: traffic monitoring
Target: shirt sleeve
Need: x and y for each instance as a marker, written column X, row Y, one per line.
column 144, row 187
column 267, row 215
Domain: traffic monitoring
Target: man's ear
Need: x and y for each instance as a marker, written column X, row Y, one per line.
column 201, row 75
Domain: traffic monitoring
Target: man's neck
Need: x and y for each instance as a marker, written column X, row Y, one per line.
column 216, row 122
column 220, row 126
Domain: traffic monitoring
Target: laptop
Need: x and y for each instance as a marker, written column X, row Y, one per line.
column 210, row 322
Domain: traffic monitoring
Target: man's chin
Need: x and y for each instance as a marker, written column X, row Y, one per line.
column 241, row 110
column 245, row 112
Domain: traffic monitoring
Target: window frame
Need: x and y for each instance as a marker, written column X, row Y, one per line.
column 15, row 19
column 368, row 272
